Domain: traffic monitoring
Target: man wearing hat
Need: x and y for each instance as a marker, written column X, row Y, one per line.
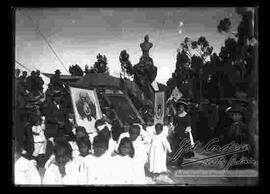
column 55, row 118
column 182, row 126
column 55, row 80
column 238, row 130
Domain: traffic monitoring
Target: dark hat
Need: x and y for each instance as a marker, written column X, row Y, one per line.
column 58, row 71
column 100, row 122
column 182, row 101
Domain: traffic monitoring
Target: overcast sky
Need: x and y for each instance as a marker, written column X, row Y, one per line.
column 79, row 34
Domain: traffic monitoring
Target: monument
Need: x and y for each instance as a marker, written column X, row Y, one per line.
column 145, row 72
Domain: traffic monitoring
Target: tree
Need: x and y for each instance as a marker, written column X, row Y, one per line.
column 100, row 66
column 202, row 47
column 75, row 70
column 126, row 65
column 224, row 25
column 86, row 69
column 240, row 52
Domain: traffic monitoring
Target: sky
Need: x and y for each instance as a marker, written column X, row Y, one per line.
column 78, row 35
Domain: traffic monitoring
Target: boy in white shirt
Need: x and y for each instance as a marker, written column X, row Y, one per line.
column 25, row 171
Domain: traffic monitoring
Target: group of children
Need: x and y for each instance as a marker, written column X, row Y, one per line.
column 96, row 158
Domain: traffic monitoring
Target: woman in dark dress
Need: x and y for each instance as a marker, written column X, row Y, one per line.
column 182, row 125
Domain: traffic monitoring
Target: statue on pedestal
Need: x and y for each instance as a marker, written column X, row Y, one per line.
column 146, row 46
column 145, row 72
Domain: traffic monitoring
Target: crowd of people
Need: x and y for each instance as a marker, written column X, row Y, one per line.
column 48, row 138
column 32, row 84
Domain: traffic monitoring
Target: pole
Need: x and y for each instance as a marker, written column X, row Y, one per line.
column 200, row 77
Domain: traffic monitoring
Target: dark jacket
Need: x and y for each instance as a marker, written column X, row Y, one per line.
column 180, row 124
column 53, row 115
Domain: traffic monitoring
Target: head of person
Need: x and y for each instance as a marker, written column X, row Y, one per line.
column 236, row 116
column 237, row 113
column 146, row 38
column 134, row 132
column 80, row 132
column 71, row 118
column 37, row 73
column 126, row 147
column 166, row 120
column 57, row 72
column 100, row 145
column 84, row 145
column 17, row 72
column 181, row 107
column 149, row 121
column 33, row 73
column 126, row 127
column 158, row 128
column 63, row 153
column 24, row 73
column 100, row 124
column 105, row 132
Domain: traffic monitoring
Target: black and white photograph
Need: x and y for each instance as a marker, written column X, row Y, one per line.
column 135, row 96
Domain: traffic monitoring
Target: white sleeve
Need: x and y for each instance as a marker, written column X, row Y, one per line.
column 166, row 144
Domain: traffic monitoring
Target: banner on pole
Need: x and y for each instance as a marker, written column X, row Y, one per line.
column 159, row 107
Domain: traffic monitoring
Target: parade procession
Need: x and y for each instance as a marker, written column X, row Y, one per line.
column 154, row 107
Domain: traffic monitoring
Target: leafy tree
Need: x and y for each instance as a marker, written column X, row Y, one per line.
column 126, row 65
column 202, row 47
column 224, row 25
column 86, row 69
column 100, row 66
column 75, row 70
column 239, row 52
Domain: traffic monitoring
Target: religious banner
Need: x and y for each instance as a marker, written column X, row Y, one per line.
column 86, row 107
column 159, row 107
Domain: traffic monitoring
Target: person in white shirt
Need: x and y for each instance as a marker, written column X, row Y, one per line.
column 98, row 167
column 25, row 171
column 63, row 170
column 158, row 152
column 124, row 166
column 140, row 149
column 124, row 134
column 84, row 146
column 40, row 141
column 79, row 133
column 106, row 133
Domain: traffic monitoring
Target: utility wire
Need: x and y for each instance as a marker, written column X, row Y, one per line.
column 26, row 68
column 37, row 28
column 23, row 66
